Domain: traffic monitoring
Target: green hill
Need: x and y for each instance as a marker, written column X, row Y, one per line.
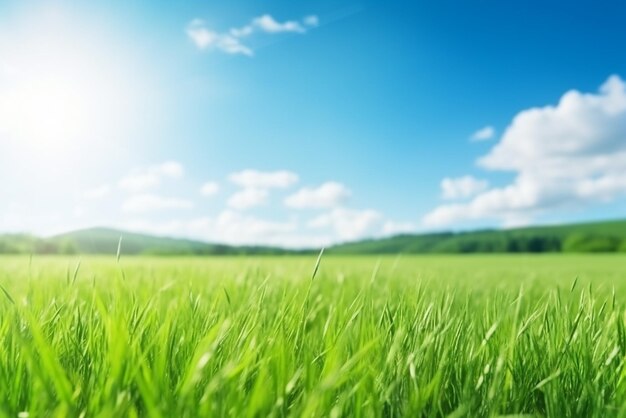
column 106, row 240
column 607, row 236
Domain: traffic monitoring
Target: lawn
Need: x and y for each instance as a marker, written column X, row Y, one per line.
column 418, row 336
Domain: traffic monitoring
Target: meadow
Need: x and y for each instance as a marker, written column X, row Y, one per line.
column 367, row 336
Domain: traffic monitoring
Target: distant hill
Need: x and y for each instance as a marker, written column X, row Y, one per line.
column 106, row 240
column 607, row 236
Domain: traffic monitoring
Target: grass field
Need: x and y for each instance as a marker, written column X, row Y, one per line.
column 367, row 336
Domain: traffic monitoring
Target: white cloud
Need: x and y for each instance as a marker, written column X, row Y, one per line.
column 328, row 195
column 603, row 188
column 564, row 156
column 139, row 181
column 348, row 224
column 255, row 186
column 264, row 179
column 234, row 228
column 230, row 42
column 581, row 126
column 484, row 134
column 151, row 202
column 462, row 187
column 210, row 188
column 98, row 192
column 205, row 38
column 394, row 228
column 311, row 20
column 267, row 23
column 248, row 198
column 194, row 228
column 241, row 228
column 171, row 169
column 242, row 32
column 231, row 226
column 143, row 179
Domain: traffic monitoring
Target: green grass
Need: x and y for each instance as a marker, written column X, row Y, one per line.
column 371, row 336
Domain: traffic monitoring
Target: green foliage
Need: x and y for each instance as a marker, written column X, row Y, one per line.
column 368, row 337
column 15, row 243
column 590, row 243
column 590, row 237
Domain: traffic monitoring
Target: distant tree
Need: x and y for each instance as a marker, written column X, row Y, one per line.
column 590, row 243
column 8, row 248
column 67, row 247
column 46, row 247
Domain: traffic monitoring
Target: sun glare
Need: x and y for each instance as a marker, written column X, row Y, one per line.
column 51, row 111
column 61, row 87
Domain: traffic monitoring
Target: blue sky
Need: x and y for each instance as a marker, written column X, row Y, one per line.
column 305, row 123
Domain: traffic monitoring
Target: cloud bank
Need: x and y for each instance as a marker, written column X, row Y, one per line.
column 328, row 195
column 249, row 206
column 569, row 155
